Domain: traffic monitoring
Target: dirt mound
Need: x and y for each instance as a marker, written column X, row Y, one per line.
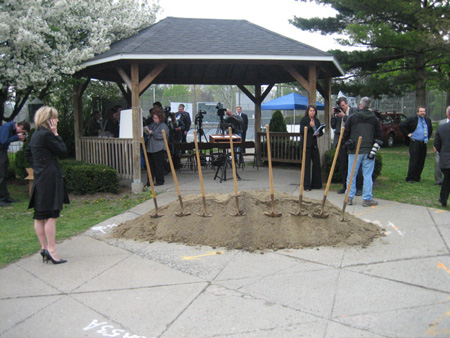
column 254, row 230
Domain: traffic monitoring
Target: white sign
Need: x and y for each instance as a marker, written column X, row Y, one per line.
column 126, row 123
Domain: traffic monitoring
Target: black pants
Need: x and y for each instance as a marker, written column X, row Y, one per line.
column 417, row 154
column 445, row 187
column 156, row 161
column 313, row 180
column 4, row 162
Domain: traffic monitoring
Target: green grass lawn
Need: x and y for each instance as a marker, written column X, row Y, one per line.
column 17, row 236
column 391, row 184
column 18, row 239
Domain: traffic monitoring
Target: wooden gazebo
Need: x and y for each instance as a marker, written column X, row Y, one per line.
column 203, row 51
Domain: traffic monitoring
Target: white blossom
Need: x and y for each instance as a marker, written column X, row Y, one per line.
column 41, row 40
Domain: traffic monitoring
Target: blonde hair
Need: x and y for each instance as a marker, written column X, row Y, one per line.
column 44, row 114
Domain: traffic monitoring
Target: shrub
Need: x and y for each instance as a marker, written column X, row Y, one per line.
column 83, row 178
column 277, row 122
column 329, row 156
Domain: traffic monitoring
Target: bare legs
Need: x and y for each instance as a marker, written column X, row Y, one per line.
column 46, row 232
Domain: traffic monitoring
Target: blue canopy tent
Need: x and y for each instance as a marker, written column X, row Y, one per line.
column 291, row 101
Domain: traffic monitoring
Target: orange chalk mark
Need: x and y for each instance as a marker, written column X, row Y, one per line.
column 442, row 266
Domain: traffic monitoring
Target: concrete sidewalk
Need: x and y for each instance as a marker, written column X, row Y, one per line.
column 399, row 286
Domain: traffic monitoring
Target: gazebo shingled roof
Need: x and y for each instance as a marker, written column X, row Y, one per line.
column 210, row 51
column 206, row 51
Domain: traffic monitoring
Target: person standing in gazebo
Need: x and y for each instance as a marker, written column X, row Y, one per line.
column 313, row 180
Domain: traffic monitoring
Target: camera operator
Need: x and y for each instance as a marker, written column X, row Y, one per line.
column 235, row 121
column 340, row 114
column 362, row 123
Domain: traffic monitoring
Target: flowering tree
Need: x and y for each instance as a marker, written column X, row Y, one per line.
column 42, row 40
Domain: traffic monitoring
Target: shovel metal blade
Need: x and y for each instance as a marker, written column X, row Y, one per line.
column 182, row 213
column 239, row 213
column 320, row 214
column 272, row 214
column 299, row 213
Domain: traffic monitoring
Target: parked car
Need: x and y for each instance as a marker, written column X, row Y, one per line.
column 389, row 123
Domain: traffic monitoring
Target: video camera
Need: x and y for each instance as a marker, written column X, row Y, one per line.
column 166, row 111
column 220, row 110
column 337, row 108
column 199, row 116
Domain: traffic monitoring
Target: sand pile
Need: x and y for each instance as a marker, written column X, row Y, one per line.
column 254, row 230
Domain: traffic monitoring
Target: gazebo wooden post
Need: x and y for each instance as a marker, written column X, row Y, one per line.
column 312, row 79
column 78, row 90
column 136, row 186
column 257, row 120
column 327, row 97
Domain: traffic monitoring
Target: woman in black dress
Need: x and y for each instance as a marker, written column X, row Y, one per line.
column 48, row 192
column 314, row 180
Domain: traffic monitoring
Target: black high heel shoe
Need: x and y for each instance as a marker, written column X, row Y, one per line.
column 49, row 257
column 44, row 257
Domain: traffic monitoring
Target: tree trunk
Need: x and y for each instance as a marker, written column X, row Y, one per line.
column 3, row 99
column 420, row 80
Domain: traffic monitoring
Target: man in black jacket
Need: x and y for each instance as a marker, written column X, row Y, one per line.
column 185, row 117
column 362, row 123
column 418, row 131
column 9, row 132
column 442, row 145
column 244, row 130
column 338, row 119
column 245, row 119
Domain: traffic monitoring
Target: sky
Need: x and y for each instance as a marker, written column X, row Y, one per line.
column 270, row 14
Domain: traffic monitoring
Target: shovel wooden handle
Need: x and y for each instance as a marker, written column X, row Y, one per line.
column 269, row 157
column 349, row 185
column 149, row 173
column 302, row 174
column 199, row 166
column 330, row 175
column 172, row 168
column 233, row 165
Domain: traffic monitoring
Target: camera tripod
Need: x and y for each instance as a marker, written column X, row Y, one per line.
column 223, row 161
column 201, row 133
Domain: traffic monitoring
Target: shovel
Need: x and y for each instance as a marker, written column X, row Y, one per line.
column 200, row 176
column 302, row 176
column 269, row 156
column 175, row 179
column 321, row 214
column 351, row 180
column 150, row 178
column 233, row 164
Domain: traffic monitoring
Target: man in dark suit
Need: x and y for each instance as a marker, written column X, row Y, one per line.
column 338, row 119
column 442, row 145
column 418, row 131
column 245, row 118
column 244, row 131
column 185, row 117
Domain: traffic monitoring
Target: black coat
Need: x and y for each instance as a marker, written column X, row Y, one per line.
column 48, row 192
column 244, row 131
column 442, row 145
column 311, row 139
